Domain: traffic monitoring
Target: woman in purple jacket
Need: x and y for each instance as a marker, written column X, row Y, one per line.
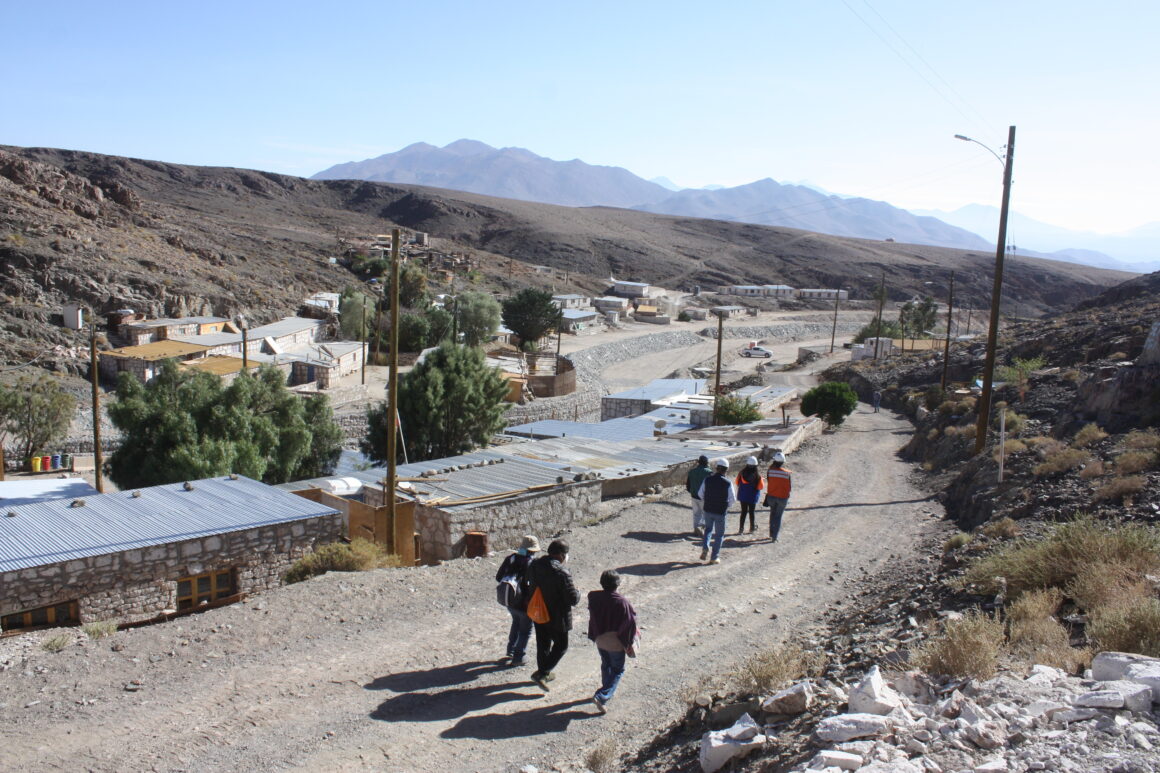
column 612, row 625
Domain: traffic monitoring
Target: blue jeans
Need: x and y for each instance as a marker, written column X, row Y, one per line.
column 698, row 514
column 776, row 508
column 611, row 669
column 518, row 636
column 715, row 525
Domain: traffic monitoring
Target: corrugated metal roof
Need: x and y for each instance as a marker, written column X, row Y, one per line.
column 218, row 364
column 578, row 313
column 659, row 389
column 158, row 350
column 285, row 326
column 26, row 492
column 151, row 323
column 51, row 532
column 212, row 339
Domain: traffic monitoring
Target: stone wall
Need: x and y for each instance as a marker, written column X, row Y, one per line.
column 590, row 362
column 583, row 405
column 140, row 583
column 442, row 533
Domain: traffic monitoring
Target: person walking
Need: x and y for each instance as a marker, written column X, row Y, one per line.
column 693, row 483
column 612, row 626
column 717, row 495
column 778, row 483
column 554, row 581
column 516, row 565
column 876, row 398
column 749, row 486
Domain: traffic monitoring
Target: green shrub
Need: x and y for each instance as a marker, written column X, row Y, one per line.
column 833, row 401
column 1089, row 434
column 731, row 410
column 684, row 317
column 100, row 629
column 1131, row 627
column 969, row 646
column 934, row 398
column 359, row 555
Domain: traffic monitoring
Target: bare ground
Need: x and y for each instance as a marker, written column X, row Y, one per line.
column 397, row 669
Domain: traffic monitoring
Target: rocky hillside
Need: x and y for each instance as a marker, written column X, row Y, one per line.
column 113, row 232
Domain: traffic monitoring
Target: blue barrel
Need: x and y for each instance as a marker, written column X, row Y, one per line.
column 56, row 461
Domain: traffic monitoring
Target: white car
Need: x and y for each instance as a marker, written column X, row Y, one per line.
column 756, row 351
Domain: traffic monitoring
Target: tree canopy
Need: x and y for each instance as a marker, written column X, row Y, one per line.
column 530, row 314
column 733, row 410
column 185, row 425
column 833, row 401
column 450, row 403
column 35, row 412
column 478, row 317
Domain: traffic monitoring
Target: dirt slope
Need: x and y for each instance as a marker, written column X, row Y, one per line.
column 395, row 669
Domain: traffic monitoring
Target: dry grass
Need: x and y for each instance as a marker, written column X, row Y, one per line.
column 1036, row 636
column 1129, row 627
column 776, row 668
column 1106, row 584
column 1134, row 461
column 1011, row 447
column 956, row 541
column 1089, row 434
column 1043, row 444
column 1055, row 560
column 601, row 758
column 357, row 556
column 969, row 646
column 1004, row 528
column 1120, row 489
column 100, row 629
column 1142, row 440
column 56, row 643
column 1015, row 422
column 1093, row 469
column 933, row 433
column 1063, row 460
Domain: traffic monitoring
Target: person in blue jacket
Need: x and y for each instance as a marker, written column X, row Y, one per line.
column 749, row 487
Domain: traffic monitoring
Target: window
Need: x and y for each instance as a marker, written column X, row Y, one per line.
column 58, row 614
column 193, row 591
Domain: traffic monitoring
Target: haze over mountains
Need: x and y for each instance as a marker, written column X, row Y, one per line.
column 469, row 165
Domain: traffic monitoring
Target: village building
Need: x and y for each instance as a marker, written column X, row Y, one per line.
column 634, row 402
column 630, row 289
column 779, row 291
column 822, row 294
column 753, row 291
column 575, row 320
column 137, row 555
column 728, row 312
column 150, row 330
column 570, row 301
column 144, row 361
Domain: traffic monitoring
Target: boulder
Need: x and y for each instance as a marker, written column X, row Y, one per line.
column 873, row 696
column 1146, row 674
column 792, row 700
column 847, row 727
column 914, row 685
column 1133, row 696
column 992, row 766
column 1045, row 675
column 828, row 758
column 720, row 746
column 1110, row 666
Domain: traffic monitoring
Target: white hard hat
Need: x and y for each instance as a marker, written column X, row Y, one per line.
column 751, row 461
column 779, row 457
column 722, row 462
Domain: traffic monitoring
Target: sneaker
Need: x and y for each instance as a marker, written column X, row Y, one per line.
column 751, row 530
column 549, row 676
column 599, row 704
column 715, row 561
column 698, row 531
column 516, row 662
column 541, row 680
column 704, row 554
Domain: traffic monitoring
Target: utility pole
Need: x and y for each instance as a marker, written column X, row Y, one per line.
column 363, row 330
column 393, row 393
column 947, row 348
column 996, row 297
column 881, row 301
column 98, row 459
column 834, row 329
column 717, row 382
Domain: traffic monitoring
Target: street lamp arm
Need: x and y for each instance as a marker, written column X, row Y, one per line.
column 965, row 138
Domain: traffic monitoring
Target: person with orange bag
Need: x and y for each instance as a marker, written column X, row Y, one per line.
column 553, row 583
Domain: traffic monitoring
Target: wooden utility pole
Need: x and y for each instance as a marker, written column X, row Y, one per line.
column 996, row 297
column 947, row 347
column 881, row 301
column 834, row 329
column 98, row 458
column 392, row 394
column 363, row 330
column 717, row 381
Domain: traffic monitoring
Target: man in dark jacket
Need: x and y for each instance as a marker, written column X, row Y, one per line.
column 693, row 483
column 555, row 584
column 516, row 565
column 612, row 625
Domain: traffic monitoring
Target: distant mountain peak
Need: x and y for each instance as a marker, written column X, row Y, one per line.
column 467, row 147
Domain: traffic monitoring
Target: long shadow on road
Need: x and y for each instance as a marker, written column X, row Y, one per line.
column 449, row 704
column 656, row 537
column 409, row 681
column 656, row 570
column 864, row 504
column 491, row 727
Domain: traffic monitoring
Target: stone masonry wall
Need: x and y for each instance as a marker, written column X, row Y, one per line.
column 442, row 533
column 138, row 584
column 583, row 405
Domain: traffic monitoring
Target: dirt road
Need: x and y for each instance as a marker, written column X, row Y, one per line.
column 396, row 669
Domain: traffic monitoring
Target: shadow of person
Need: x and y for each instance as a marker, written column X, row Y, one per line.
column 410, row 681
column 655, row 570
column 658, row 537
column 449, row 704
column 546, row 719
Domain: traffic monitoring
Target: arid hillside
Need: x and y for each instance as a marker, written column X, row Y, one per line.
column 169, row 239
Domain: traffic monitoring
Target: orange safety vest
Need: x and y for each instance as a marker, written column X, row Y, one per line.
column 777, row 483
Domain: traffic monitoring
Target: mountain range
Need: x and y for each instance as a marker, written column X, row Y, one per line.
column 516, row 173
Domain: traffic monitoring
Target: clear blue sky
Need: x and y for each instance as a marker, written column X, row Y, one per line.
column 858, row 97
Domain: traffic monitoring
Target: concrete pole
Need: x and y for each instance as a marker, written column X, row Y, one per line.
column 947, row 347
column 834, row 329
column 717, row 381
column 996, row 299
column 881, row 302
column 98, row 457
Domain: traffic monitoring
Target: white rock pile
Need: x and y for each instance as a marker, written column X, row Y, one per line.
column 905, row 723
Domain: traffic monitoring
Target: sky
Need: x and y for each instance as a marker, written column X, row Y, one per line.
column 859, row 97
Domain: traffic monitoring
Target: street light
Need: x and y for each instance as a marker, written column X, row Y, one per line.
column 996, row 289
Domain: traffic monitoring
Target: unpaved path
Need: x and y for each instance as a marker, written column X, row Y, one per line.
column 396, row 670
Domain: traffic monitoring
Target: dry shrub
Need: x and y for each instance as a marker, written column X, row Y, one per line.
column 1043, row 444
column 1120, row 489
column 56, row 643
column 1063, row 460
column 1010, row 447
column 969, row 646
column 1090, row 433
column 1015, row 422
column 1070, row 375
column 601, row 758
column 1093, row 469
column 1142, row 440
column 359, row 555
column 773, row 669
column 1131, row 627
column 1004, row 528
column 1106, row 584
column 933, row 434
column 1134, row 461
column 1056, row 559
column 100, row 629
column 956, row 541
column 1036, row 636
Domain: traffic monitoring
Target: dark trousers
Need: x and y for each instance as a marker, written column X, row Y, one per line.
column 551, row 644
column 747, row 508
